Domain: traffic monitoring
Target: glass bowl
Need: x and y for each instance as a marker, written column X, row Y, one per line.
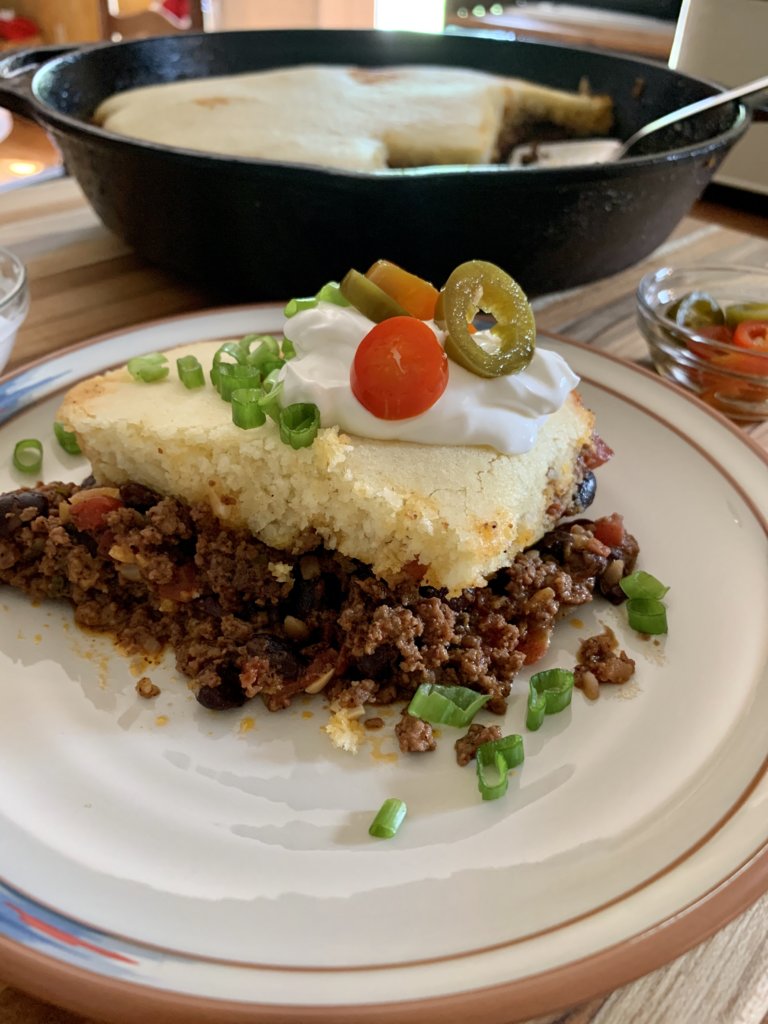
column 14, row 301
column 730, row 377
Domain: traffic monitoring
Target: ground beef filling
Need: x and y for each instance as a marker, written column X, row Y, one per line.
column 600, row 660
column 247, row 621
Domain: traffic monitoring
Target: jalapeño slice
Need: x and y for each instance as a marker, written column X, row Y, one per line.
column 479, row 285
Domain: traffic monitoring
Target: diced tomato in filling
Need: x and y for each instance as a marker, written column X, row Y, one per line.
column 598, row 453
column 534, row 644
column 184, row 586
column 90, row 513
column 610, row 530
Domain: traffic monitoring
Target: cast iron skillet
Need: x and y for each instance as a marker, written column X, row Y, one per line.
column 261, row 230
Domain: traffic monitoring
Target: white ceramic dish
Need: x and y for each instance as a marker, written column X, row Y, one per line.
column 157, row 858
column 14, row 301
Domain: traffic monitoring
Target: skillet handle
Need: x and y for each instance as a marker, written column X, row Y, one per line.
column 16, row 73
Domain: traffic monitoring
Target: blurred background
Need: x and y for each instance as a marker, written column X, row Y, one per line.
column 697, row 36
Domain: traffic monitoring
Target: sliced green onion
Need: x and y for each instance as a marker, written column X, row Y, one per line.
column 66, row 439
column 268, row 351
column 246, row 411
column 330, row 292
column 246, row 344
column 642, row 584
column 28, row 455
column 235, row 375
column 288, row 349
column 190, row 372
column 269, row 400
column 298, row 306
column 549, row 692
column 647, row 615
column 446, row 705
column 149, row 368
column 299, row 424
column 502, row 755
column 229, row 348
column 389, row 819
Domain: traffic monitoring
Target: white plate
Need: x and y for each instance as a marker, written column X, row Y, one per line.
column 157, row 855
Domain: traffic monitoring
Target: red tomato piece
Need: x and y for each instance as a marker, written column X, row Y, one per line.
column 534, row 644
column 89, row 514
column 609, row 530
column 400, row 369
column 752, row 334
column 756, row 364
column 598, row 453
column 717, row 332
column 185, row 585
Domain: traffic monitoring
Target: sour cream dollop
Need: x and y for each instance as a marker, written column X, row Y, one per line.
column 505, row 413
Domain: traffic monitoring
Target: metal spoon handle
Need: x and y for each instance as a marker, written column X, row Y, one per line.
column 709, row 103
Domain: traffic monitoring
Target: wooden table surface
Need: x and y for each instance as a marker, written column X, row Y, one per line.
column 85, row 282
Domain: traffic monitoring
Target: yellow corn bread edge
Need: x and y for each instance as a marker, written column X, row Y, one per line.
column 458, row 512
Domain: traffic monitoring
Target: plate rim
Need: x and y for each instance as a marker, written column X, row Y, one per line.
column 92, row 992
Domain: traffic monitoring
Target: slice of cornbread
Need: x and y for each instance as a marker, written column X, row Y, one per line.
column 459, row 513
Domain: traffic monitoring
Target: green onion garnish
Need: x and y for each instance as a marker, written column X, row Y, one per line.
column 190, row 372
column 549, row 692
column 269, row 400
column 389, row 819
column 647, row 615
column 28, row 455
column 237, row 375
column 229, row 348
column 267, row 344
column 299, row 424
column 246, row 410
column 502, row 755
column 148, row 368
column 645, row 609
column 642, row 584
column 287, row 349
column 330, row 292
column 446, row 705
column 66, row 439
column 295, row 306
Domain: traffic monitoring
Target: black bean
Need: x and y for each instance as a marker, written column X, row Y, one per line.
column 584, row 494
column 228, row 694
column 379, row 663
column 280, row 654
column 14, row 503
column 139, row 497
column 309, row 597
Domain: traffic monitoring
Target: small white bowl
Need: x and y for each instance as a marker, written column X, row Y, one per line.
column 14, row 301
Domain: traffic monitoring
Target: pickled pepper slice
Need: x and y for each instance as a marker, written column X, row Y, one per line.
column 696, row 310
column 368, row 298
column 413, row 293
column 741, row 311
column 479, row 285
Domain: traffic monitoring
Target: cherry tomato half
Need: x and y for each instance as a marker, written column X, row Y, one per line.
column 400, row 369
